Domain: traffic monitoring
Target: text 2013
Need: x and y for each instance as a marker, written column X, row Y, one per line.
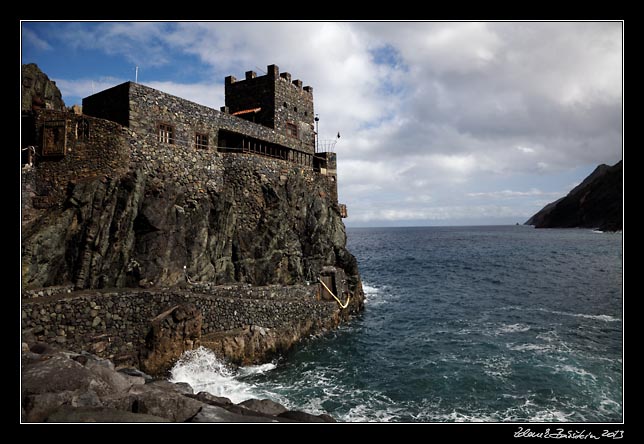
column 568, row 434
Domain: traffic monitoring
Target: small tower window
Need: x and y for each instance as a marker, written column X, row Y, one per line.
column 165, row 133
column 285, row 105
column 82, row 130
column 306, row 113
column 201, row 141
column 295, row 108
column 291, row 129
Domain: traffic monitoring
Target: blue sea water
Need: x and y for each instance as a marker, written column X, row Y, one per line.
column 504, row 323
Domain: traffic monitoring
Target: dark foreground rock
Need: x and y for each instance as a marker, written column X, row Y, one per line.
column 595, row 203
column 62, row 386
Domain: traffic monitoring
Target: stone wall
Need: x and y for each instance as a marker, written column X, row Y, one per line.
column 147, row 108
column 114, row 323
column 294, row 105
column 202, row 171
column 251, row 93
column 83, row 148
column 111, row 104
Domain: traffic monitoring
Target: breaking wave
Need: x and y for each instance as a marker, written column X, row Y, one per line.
column 205, row 372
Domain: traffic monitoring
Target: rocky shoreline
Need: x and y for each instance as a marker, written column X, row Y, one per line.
column 61, row 386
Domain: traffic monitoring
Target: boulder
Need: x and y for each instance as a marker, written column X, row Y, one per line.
column 171, row 333
column 135, row 372
column 182, row 387
column 62, row 378
column 211, row 413
column 305, row 417
column 161, row 400
column 210, row 399
column 59, row 373
column 99, row 414
column 266, row 406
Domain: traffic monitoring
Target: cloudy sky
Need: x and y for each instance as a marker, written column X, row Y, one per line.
column 441, row 123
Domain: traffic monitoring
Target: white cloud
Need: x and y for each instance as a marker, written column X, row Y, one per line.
column 438, row 213
column 141, row 43
column 31, row 38
column 79, row 88
column 425, row 109
column 503, row 194
column 202, row 93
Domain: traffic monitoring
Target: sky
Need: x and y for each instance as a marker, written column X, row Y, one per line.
column 441, row 123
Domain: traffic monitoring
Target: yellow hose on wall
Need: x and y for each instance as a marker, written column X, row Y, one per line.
column 342, row 306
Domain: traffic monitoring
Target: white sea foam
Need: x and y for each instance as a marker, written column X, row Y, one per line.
column 529, row 347
column 549, row 336
column 204, row 372
column 362, row 413
column 369, row 289
column 512, row 328
column 455, row 416
column 601, row 317
column 574, row 370
column 373, row 295
column 550, row 416
column 256, row 369
column 610, row 407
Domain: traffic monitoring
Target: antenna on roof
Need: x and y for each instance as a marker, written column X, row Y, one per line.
column 260, row 70
column 136, row 74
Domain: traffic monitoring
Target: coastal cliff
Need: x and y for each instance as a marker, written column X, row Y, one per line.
column 594, row 203
column 120, row 232
column 266, row 222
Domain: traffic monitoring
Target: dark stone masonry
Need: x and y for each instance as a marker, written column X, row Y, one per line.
column 143, row 204
column 114, row 324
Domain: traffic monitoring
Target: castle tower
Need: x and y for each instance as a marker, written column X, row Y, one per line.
column 275, row 101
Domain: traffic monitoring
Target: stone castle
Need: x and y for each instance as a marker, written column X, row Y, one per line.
column 270, row 116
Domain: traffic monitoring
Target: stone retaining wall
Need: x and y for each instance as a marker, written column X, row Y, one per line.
column 114, row 323
column 88, row 147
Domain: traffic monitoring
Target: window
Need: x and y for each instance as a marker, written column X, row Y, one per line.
column 291, row 129
column 295, row 108
column 285, row 105
column 201, row 141
column 82, row 130
column 165, row 133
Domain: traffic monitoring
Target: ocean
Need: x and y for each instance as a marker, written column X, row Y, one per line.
column 475, row 324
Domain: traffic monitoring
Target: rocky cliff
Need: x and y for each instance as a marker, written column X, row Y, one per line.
column 594, row 203
column 136, row 230
column 38, row 91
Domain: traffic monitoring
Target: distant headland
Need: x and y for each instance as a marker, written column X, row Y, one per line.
column 594, row 203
